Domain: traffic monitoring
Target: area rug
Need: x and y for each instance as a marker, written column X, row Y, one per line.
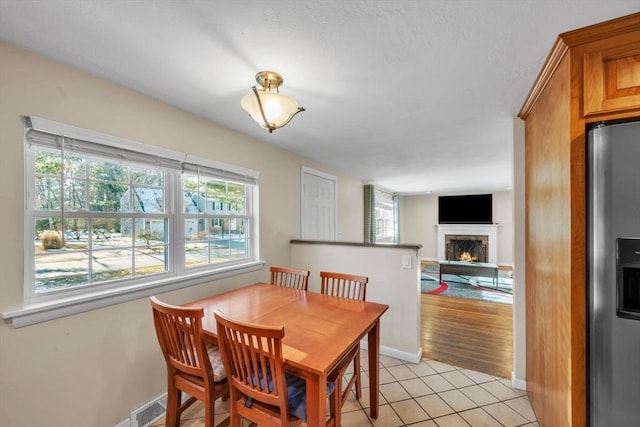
column 461, row 286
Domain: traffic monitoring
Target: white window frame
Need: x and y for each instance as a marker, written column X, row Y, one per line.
column 384, row 205
column 55, row 304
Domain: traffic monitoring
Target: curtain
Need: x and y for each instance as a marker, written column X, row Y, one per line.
column 369, row 214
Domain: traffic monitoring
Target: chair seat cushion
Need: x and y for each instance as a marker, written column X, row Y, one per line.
column 215, row 358
column 297, row 391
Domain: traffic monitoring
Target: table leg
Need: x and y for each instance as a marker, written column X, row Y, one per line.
column 316, row 396
column 374, row 369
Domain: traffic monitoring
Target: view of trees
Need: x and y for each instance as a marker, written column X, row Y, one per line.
column 98, row 199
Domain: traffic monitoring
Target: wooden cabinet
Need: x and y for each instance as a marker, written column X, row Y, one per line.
column 591, row 74
column 612, row 79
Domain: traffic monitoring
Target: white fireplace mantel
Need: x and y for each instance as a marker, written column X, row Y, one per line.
column 490, row 230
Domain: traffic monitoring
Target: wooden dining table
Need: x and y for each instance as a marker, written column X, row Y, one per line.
column 319, row 331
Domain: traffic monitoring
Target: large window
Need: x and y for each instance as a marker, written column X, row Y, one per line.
column 103, row 213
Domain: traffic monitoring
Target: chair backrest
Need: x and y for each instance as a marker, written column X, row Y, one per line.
column 343, row 285
column 252, row 356
column 290, row 277
column 179, row 331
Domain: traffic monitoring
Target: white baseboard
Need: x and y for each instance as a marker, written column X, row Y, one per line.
column 398, row 354
column 125, row 423
column 402, row 355
column 518, row 383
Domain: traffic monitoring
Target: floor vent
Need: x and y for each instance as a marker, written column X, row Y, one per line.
column 147, row 414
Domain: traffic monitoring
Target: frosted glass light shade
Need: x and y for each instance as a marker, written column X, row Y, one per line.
column 278, row 109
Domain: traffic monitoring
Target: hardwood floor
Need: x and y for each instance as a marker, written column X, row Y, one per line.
column 471, row 334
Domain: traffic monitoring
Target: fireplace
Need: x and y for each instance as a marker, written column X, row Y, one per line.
column 466, row 247
column 479, row 240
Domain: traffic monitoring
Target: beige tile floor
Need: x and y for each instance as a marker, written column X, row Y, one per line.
column 427, row 394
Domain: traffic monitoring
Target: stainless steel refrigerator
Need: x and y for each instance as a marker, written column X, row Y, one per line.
column 613, row 291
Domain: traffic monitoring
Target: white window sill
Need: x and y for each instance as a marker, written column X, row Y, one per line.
column 42, row 312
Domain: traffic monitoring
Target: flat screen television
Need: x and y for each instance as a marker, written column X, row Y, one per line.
column 469, row 209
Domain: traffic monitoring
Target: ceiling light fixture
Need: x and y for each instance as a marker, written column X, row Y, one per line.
column 268, row 106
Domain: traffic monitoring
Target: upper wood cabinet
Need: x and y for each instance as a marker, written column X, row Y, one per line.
column 612, row 78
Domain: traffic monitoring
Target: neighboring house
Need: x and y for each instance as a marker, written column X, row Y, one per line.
column 149, row 200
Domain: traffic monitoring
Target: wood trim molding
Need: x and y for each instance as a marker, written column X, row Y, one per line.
column 602, row 30
column 558, row 52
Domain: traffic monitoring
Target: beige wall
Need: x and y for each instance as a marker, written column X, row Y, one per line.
column 390, row 282
column 419, row 218
column 93, row 368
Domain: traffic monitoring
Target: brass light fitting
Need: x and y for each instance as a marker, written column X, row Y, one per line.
column 267, row 106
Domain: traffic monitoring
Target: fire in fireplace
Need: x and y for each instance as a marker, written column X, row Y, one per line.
column 466, row 248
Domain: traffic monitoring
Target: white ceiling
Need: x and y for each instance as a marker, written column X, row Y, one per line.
column 413, row 96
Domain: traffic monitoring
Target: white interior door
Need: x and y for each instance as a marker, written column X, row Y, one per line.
column 318, row 205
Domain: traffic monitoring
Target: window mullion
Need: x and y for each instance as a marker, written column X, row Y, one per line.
column 175, row 210
column 29, row 226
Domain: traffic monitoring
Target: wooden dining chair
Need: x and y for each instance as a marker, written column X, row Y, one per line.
column 260, row 391
column 193, row 366
column 353, row 287
column 290, row 277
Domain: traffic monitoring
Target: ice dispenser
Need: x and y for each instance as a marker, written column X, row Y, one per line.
column 628, row 277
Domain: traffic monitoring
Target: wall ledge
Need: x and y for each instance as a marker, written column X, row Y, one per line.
column 414, row 246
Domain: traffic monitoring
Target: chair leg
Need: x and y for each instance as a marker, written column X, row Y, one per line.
column 173, row 404
column 209, row 413
column 356, row 372
column 235, row 420
column 335, row 403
